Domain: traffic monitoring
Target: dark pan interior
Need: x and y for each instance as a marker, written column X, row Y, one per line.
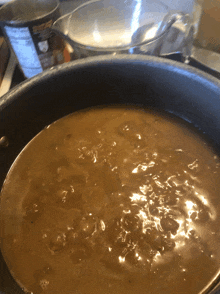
column 143, row 81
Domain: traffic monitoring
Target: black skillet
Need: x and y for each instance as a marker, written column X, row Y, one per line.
column 140, row 80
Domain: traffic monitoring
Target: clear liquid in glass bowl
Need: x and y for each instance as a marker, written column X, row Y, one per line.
column 132, row 26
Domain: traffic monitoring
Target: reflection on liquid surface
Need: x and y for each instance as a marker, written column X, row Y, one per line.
column 114, row 201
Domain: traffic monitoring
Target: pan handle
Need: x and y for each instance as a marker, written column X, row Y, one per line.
column 206, row 60
column 7, row 79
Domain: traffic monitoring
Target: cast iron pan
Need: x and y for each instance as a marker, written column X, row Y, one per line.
column 140, row 80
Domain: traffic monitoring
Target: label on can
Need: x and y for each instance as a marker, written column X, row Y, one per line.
column 49, row 46
column 36, row 46
column 23, row 46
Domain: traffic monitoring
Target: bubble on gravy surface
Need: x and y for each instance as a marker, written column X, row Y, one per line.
column 113, row 200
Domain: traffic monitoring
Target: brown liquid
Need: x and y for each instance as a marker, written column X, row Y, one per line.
column 113, row 201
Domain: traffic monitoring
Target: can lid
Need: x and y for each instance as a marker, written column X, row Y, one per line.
column 22, row 12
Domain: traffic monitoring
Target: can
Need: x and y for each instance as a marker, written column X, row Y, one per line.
column 27, row 26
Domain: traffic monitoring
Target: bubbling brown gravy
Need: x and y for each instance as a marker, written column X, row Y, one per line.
column 113, row 201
